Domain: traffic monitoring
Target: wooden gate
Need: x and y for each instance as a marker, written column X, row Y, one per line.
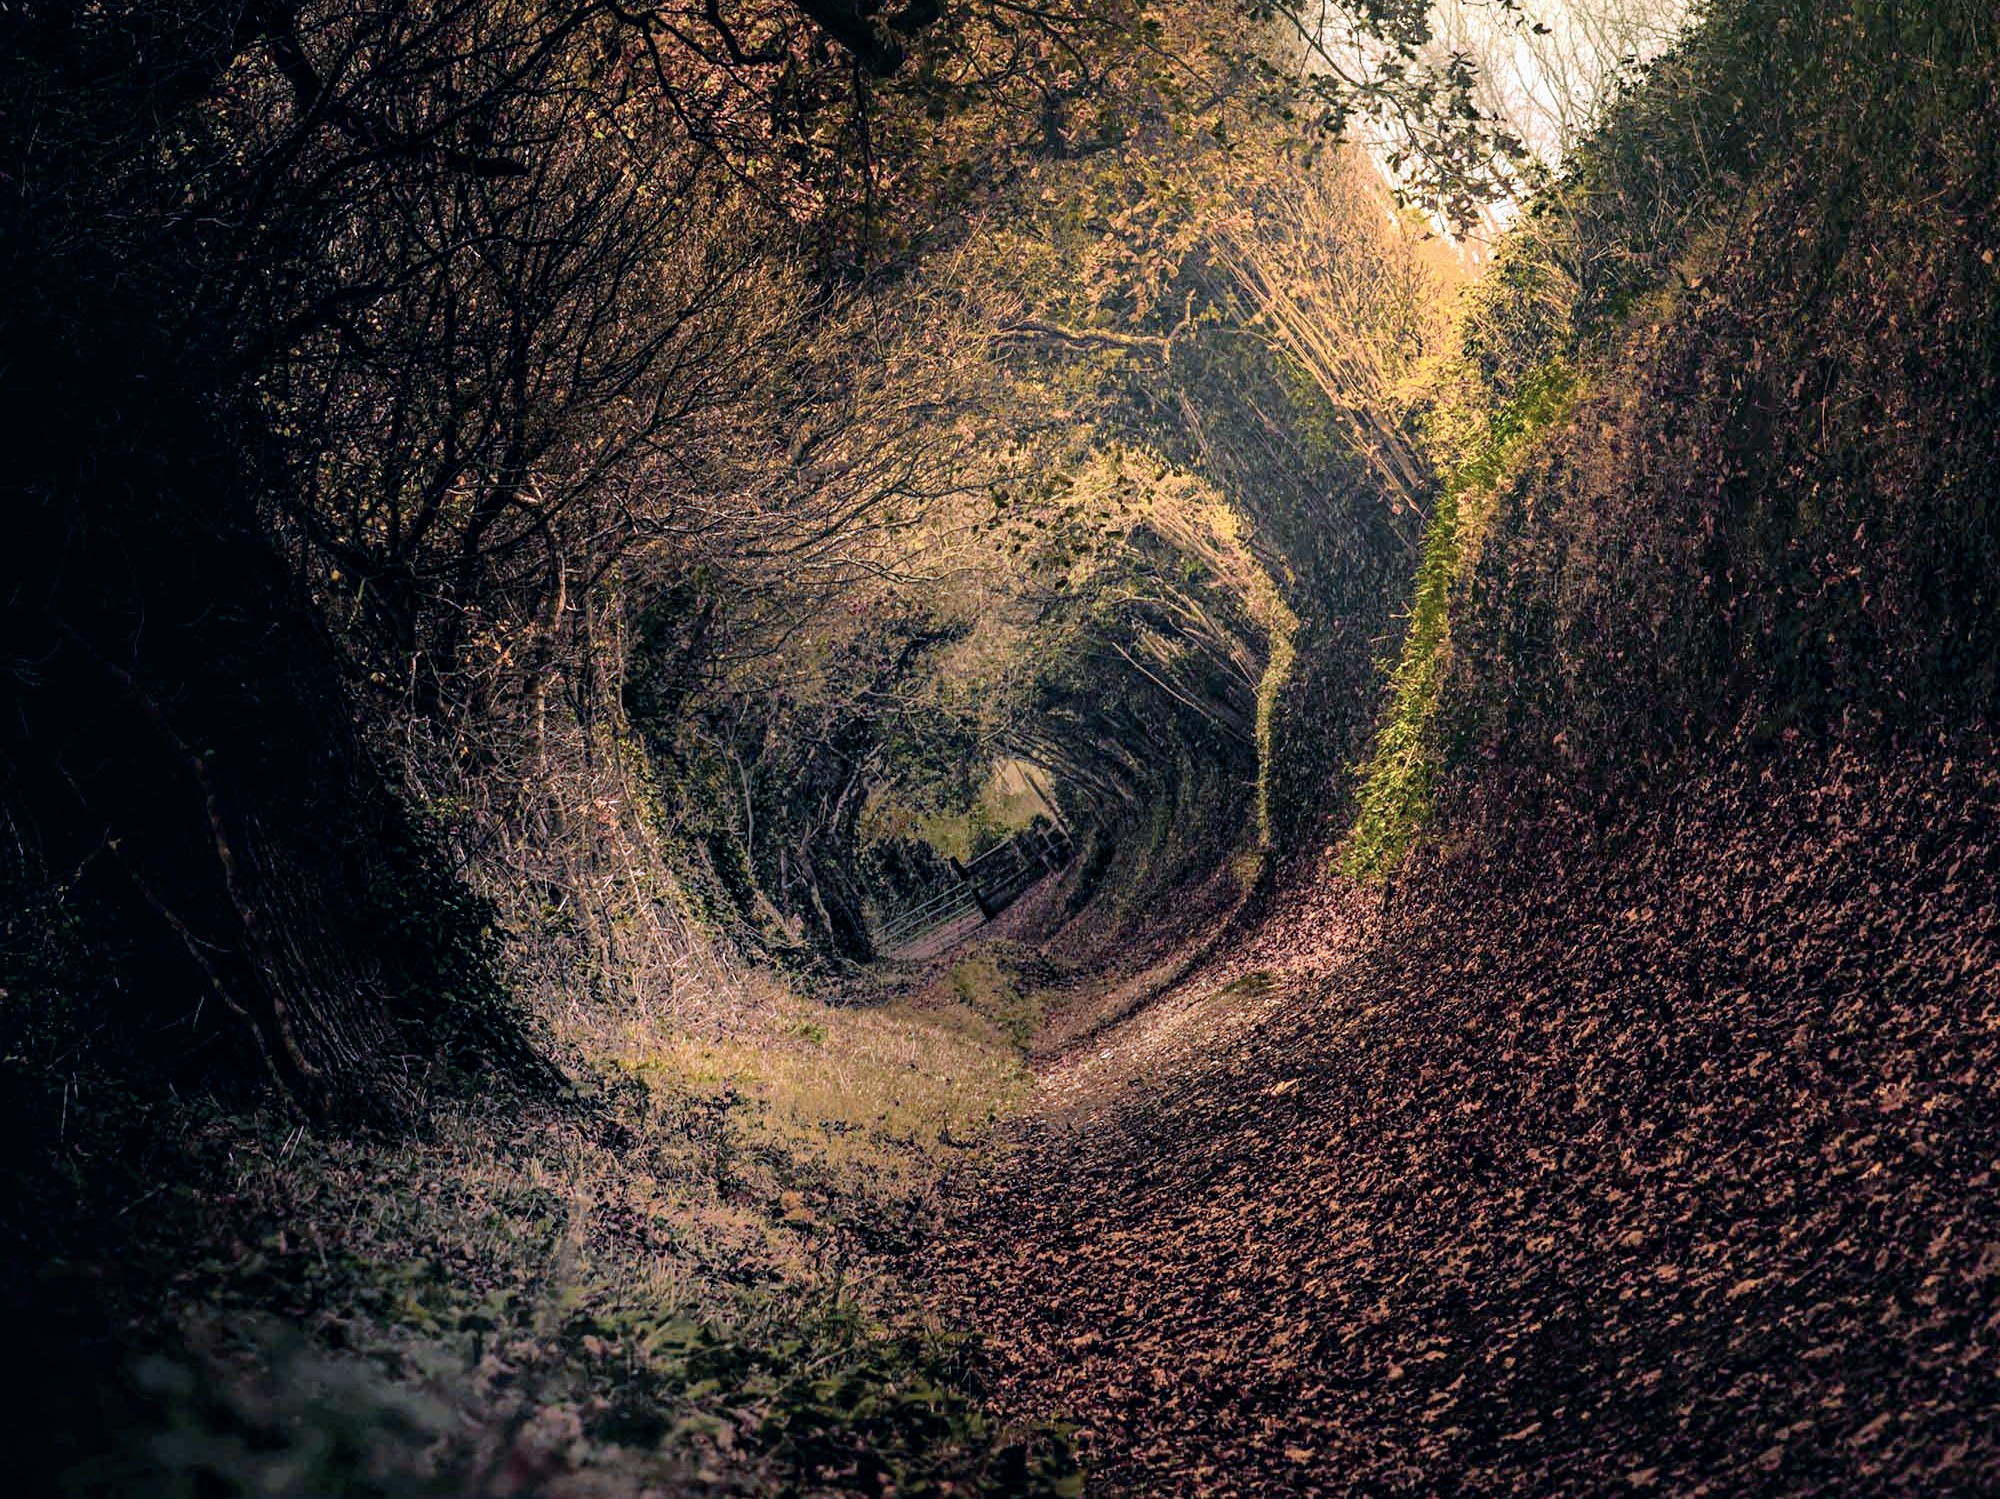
column 984, row 887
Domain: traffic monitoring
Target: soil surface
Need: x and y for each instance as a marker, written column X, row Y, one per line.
column 1665, row 1160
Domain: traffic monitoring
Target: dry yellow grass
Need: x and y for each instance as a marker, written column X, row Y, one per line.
column 693, row 1275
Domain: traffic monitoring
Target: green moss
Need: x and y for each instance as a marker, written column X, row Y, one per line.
column 1397, row 781
column 1281, row 628
column 996, row 986
column 1251, row 985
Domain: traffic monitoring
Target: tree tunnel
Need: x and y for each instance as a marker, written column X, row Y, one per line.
column 1176, row 610
column 1105, row 655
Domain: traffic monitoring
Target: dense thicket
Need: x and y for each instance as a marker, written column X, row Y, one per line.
column 1765, row 511
column 376, row 368
column 417, row 398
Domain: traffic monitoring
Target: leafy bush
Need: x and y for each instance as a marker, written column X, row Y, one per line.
column 1772, row 270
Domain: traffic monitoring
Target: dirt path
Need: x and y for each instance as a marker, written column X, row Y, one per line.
column 1166, row 1023
column 1677, row 1174
column 1077, row 1261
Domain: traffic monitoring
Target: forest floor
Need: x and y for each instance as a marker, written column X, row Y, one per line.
column 684, row 1281
column 1662, row 1161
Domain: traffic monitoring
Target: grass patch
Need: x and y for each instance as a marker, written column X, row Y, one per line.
column 1007, row 987
column 694, row 1282
column 1259, row 981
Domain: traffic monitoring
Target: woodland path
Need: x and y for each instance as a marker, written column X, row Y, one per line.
column 1610, row 1185
column 1095, row 1310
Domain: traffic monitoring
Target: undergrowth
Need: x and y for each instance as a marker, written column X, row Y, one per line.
column 690, row 1279
column 1772, row 265
column 1395, row 785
